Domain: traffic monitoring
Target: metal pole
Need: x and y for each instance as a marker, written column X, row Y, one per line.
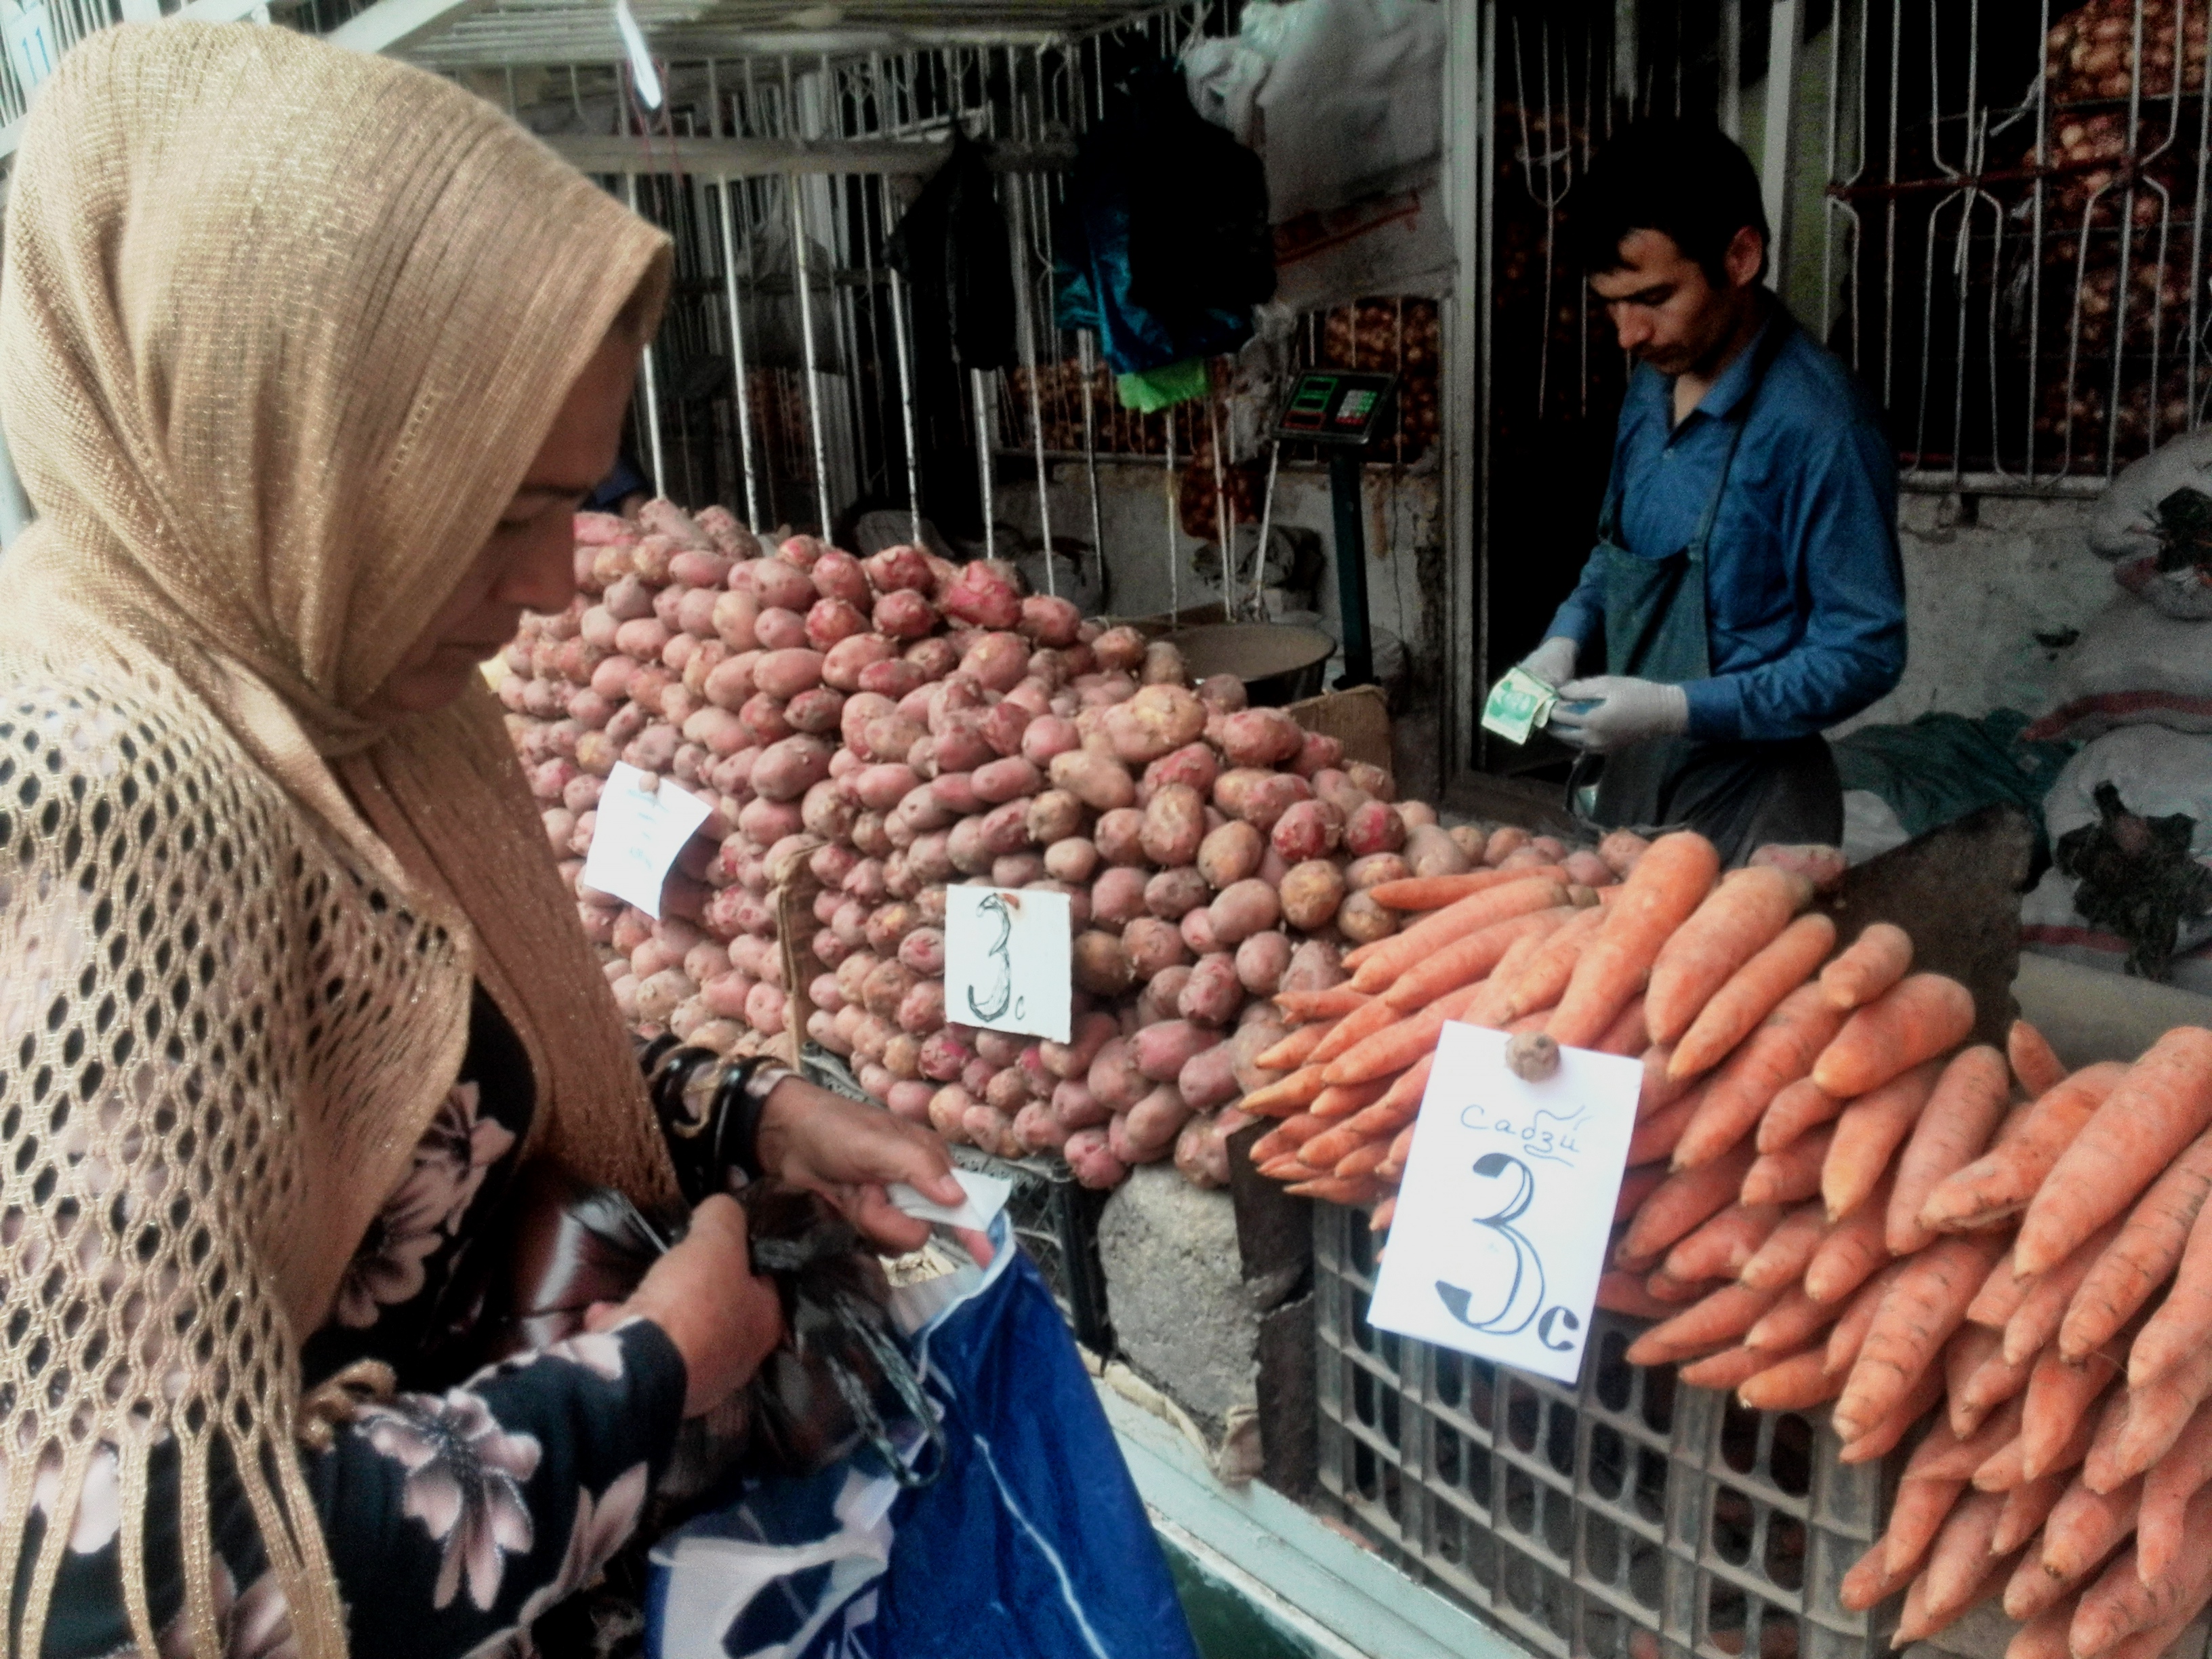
column 1781, row 133
column 906, row 405
column 1345, row 496
column 738, row 354
column 651, row 381
column 1083, row 343
column 978, row 390
column 1022, row 299
column 806, row 337
column 1175, row 577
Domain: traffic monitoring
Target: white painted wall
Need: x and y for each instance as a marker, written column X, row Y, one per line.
column 1978, row 596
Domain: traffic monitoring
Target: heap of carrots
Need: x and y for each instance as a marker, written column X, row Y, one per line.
column 1832, row 1202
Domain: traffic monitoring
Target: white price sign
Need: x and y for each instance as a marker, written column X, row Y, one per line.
column 1502, row 1222
column 642, row 825
column 1009, row 961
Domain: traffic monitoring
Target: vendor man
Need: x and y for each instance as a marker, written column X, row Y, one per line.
column 1746, row 585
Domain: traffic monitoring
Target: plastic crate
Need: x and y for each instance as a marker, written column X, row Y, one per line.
column 1625, row 1518
column 1056, row 1219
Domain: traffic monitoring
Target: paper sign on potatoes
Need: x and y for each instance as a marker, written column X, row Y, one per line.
column 1009, row 962
column 1507, row 1203
column 643, row 823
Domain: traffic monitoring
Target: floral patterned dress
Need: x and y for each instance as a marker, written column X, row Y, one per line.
column 454, row 1519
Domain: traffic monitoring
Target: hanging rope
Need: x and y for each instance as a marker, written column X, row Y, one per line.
column 977, row 389
column 1083, row 343
column 744, row 406
column 1224, row 525
column 1266, row 518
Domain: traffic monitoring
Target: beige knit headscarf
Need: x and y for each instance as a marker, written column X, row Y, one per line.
column 281, row 330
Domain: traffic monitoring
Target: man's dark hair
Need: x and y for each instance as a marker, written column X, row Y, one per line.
column 1687, row 179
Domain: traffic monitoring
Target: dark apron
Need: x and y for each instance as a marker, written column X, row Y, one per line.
column 1740, row 796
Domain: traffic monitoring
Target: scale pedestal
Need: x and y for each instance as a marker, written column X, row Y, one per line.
column 1341, row 409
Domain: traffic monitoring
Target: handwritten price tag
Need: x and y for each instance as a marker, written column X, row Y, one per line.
column 642, row 825
column 1009, row 961
column 1507, row 1203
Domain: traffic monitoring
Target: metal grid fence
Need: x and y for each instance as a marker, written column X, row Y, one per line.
column 1627, row 1518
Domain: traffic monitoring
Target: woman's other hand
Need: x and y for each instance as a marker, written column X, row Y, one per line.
column 849, row 1152
column 723, row 1320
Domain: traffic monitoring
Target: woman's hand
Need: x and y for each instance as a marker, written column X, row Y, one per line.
column 703, row 1294
column 848, row 1154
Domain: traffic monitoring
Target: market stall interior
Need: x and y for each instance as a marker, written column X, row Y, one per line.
column 1006, row 555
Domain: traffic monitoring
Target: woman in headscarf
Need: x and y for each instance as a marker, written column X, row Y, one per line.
column 305, row 358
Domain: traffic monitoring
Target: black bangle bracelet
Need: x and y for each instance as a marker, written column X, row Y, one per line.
column 736, row 1116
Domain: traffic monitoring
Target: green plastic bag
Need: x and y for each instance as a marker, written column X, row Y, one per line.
column 1156, row 389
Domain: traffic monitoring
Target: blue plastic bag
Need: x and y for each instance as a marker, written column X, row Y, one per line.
column 1030, row 1543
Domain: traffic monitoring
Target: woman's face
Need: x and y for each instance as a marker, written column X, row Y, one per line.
column 529, row 561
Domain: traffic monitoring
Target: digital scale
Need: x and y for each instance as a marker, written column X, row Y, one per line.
column 1342, row 408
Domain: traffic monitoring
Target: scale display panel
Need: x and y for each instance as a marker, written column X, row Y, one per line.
column 1336, row 406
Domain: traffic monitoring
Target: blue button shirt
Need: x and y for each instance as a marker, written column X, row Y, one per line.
column 1804, row 589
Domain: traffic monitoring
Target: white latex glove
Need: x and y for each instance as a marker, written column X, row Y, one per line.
column 1628, row 711
column 1553, row 661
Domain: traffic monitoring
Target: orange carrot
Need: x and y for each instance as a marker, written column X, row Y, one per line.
column 1436, row 892
column 1287, row 1136
column 1394, row 1163
column 1739, row 919
column 1284, row 1095
column 1970, row 1348
column 1723, row 1242
column 1724, row 1371
column 1849, row 1335
column 2057, row 1403
column 2033, row 1592
column 1877, row 959
column 1916, row 1019
column 1365, row 1021
column 1995, row 1382
column 1959, row 1561
column 1399, row 1103
column 2119, row 1604
column 1791, row 1176
column 1294, row 1050
column 1686, row 1199
column 1881, row 1439
column 1465, row 960
column 1364, row 1159
column 1342, row 1100
column 1544, row 976
column 2166, row 1489
column 1381, row 962
column 1331, row 1190
column 1624, row 1293
column 1921, row 1506
column 1868, row 1583
column 1665, row 1287
column 2148, row 1420
column 1925, row 1304
column 2085, row 1528
column 2162, row 1105
column 1780, row 1052
column 1655, row 1137
column 1960, row 1116
column 1753, row 993
column 2183, row 1323
column 1790, row 1324
column 1328, row 1004
column 1781, row 1259
column 1659, row 1091
column 2143, row 1256
column 1848, row 1257
column 1636, row 1185
column 1628, row 1035
column 1725, row 1314
column 1668, row 883
column 2000, row 1298
column 2043, row 1309
column 1795, row 1107
column 2044, row 1634
column 2038, row 1069
column 1871, row 1129
column 1796, row 1384
column 1943, row 1454
column 2003, row 1179
column 2027, row 1507
column 1326, row 1150
column 1397, row 1044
